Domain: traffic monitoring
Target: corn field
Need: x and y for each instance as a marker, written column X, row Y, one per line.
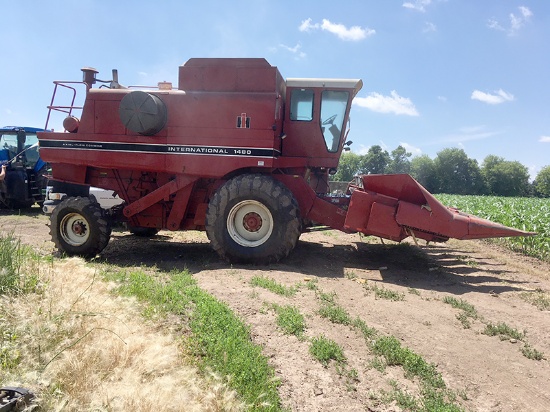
column 530, row 214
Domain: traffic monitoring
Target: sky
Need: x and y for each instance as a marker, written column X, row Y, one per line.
column 436, row 74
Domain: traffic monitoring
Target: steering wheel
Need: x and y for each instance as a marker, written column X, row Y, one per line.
column 330, row 120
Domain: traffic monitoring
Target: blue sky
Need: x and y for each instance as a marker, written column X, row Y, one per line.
column 437, row 73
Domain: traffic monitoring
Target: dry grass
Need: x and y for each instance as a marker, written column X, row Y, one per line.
column 83, row 348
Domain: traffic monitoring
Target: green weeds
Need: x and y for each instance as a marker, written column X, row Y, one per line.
column 273, row 286
column 468, row 310
column 324, row 350
column 290, row 320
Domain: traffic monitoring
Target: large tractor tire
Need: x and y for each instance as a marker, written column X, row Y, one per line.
column 253, row 219
column 78, row 227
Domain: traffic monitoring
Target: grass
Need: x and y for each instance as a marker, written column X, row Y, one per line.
column 18, row 267
column 273, row 286
column 325, row 350
column 19, row 275
column 218, row 337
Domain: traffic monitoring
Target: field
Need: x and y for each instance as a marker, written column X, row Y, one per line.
column 529, row 214
column 345, row 323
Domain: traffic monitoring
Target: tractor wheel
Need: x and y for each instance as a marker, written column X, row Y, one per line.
column 78, row 227
column 143, row 231
column 253, row 219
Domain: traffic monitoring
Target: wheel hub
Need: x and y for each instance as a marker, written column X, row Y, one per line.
column 79, row 228
column 252, row 222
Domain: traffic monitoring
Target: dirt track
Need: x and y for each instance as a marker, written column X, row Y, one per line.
column 489, row 373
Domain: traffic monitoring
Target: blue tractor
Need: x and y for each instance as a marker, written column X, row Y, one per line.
column 25, row 181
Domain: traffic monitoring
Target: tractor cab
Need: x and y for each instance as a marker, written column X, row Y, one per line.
column 24, row 182
column 316, row 119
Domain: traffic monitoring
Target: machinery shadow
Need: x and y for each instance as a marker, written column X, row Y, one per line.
column 437, row 268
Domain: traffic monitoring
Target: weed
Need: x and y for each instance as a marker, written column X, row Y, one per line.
column 312, row 283
column 503, row 331
column 388, row 294
column 378, row 363
column 539, row 298
column 414, row 291
column 531, row 353
column 350, row 274
column 335, row 313
column 327, row 297
column 367, row 332
column 324, row 349
column 463, row 318
column 469, row 310
column 273, row 286
column 290, row 320
column 390, row 348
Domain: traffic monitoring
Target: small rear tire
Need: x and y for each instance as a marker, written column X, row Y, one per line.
column 253, row 219
column 78, row 227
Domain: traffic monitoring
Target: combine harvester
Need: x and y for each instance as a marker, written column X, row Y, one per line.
column 236, row 151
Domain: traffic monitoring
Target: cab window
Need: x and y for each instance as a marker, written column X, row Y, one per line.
column 301, row 105
column 333, row 110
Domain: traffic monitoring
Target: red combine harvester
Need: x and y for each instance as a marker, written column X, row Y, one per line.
column 236, row 151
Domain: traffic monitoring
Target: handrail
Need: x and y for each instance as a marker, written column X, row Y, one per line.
column 64, row 109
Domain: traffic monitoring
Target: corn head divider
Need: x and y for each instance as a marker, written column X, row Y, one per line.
column 235, row 150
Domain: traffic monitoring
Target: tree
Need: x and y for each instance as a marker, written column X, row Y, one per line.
column 505, row 178
column 375, row 161
column 457, row 173
column 423, row 170
column 349, row 166
column 399, row 162
column 542, row 182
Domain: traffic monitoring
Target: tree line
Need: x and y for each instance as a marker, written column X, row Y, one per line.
column 452, row 172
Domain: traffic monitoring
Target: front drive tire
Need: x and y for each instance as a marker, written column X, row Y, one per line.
column 253, row 219
column 78, row 227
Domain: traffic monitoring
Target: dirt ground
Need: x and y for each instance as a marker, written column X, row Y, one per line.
column 488, row 373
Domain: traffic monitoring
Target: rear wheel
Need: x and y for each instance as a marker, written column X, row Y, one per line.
column 253, row 219
column 78, row 227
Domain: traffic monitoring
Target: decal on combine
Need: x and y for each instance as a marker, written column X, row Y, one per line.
column 160, row 148
column 243, row 122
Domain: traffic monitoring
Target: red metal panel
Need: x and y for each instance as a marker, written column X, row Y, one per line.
column 382, row 223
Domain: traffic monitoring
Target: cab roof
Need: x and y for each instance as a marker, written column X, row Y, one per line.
column 355, row 84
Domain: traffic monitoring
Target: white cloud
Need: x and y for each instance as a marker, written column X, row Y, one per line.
column 429, row 27
column 294, row 50
column 387, row 104
column 354, row 33
column 516, row 21
column 468, row 133
column 419, row 5
column 544, row 139
column 499, row 96
column 412, row 149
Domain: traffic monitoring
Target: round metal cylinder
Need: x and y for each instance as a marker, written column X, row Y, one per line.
column 143, row 113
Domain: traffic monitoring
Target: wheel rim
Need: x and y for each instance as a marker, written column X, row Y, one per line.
column 74, row 229
column 250, row 223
